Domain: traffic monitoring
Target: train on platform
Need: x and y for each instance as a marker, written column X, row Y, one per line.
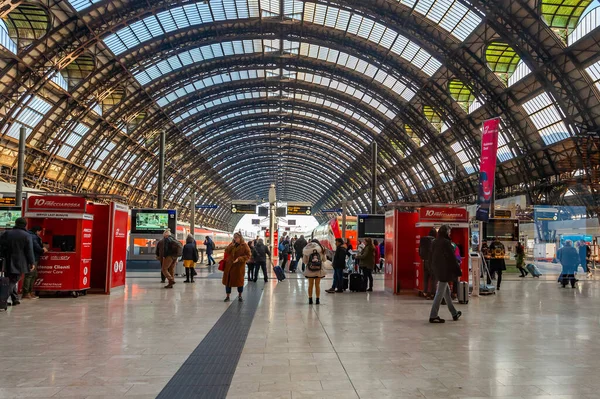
column 327, row 232
column 221, row 238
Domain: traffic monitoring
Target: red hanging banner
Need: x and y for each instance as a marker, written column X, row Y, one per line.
column 487, row 169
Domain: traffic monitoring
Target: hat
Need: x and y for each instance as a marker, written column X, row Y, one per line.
column 21, row 222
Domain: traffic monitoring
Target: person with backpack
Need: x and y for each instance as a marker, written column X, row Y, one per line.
column 210, row 247
column 446, row 269
column 367, row 261
column 425, row 246
column 167, row 251
column 313, row 256
column 284, row 251
column 260, row 253
column 190, row 258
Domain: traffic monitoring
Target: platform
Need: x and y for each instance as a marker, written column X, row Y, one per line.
column 531, row 340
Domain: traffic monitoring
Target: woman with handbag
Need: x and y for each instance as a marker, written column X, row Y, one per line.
column 190, row 258
column 236, row 256
column 314, row 257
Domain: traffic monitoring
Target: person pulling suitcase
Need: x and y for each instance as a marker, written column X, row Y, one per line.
column 446, row 269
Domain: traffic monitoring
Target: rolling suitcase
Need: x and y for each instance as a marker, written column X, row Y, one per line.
column 463, row 292
column 345, row 282
column 293, row 266
column 358, row 283
column 279, row 273
column 535, row 272
column 4, row 292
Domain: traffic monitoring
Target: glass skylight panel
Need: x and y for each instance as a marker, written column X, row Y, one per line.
column 442, row 173
column 72, row 139
column 60, row 81
column 421, row 174
column 5, row 40
column 594, row 72
column 587, row 23
column 109, row 147
column 29, row 115
column 372, row 31
column 462, row 157
column 183, row 17
column 547, row 118
column 79, row 5
column 475, row 105
column 450, row 15
column 408, row 183
column 521, row 71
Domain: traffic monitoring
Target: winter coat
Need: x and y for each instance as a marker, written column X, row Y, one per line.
column 339, row 259
column 367, row 257
column 377, row 254
column 497, row 263
column 382, row 250
column 38, row 247
column 251, row 259
column 299, row 245
column 306, row 253
column 443, row 261
column 16, row 247
column 260, row 253
column 520, row 256
column 190, row 251
column 209, row 243
column 233, row 274
column 569, row 259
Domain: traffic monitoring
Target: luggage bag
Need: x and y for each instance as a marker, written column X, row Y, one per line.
column 358, row 282
column 535, row 272
column 346, row 280
column 279, row 273
column 293, row 266
column 4, row 292
column 463, row 292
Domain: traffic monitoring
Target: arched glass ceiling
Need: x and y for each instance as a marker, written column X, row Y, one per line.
column 386, row 108
column 310, row 98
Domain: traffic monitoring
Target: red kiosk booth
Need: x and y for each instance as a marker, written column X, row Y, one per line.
column 86, row 242
column 405, row 224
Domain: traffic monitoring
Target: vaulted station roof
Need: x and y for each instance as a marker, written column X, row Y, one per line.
column 252, row 92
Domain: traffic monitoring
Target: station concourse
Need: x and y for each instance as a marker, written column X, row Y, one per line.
column 141, row 141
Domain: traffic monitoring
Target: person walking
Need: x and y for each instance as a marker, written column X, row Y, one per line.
column 38, row 251
column 299, row 248
column 210, row 247
column 425, row 251
column 284, row 251
column 261, row 251
column 166, row 253
column 251, row 262
column 339, row 264
column 520, row 258
column 236, row 255
column 497, row 263
column 367, row 261
column 16, row 247
column 569, row 259
column 313, row 256
column 584, row 254
column 190, row 258
column 446, row 269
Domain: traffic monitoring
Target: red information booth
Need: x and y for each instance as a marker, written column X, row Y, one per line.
column 81, row 253
column 404, row 227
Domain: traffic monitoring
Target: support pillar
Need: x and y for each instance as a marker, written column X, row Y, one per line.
column 374, row 178
column 161, row 171
column 193, row 213
column 21, row 166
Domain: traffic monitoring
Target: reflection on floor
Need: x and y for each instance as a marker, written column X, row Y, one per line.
column 531, row 340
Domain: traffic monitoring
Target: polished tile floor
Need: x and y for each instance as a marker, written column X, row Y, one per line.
column 531, row 340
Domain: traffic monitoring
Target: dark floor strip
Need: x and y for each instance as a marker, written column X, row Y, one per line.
column 208, row 372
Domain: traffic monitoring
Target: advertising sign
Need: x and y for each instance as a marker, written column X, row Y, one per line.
column 390, row 235
column 434, row 214
column 153, row 221
column 118, row 256
column 487, row 170
column 8, row 216
column 56, row 203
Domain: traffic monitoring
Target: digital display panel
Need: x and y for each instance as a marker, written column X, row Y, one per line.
column 153, row 221
column 8, row 201
column 291, row 222
column 247, row 209
column 281, row 212
column 255, row 221
column 298, row 210
column 371, row 226
column 501, row 229
column 8, row 217
column 263, row 211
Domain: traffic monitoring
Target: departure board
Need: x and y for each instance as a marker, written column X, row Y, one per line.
column 298, row 210
column 8, row 201
column 247, row 209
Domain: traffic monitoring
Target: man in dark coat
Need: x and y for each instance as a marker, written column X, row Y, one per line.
column 339, row 264
column 17, row 249
column 38, row 251
column 497, row 252
column 425, row 246
column 260, row 253
column 445, row 268
column 299, row 247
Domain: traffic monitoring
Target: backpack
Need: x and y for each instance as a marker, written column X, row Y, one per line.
column 175, row 248
column 314, row 261
column 426, row 247
column 281, row 246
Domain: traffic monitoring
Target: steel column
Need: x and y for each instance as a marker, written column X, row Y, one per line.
column 161, row 171
column 374, row 178
column 20, row 166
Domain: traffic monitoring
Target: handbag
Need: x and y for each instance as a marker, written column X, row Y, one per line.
column 194, row 272
column 222, row 264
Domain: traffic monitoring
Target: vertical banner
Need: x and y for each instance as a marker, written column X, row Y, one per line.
column 118, row 245
column 487, row 169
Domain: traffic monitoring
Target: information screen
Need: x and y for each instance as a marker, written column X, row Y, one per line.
column 298, row 210
column 263, row 211
column 247, row 209
column 371, row 226
column 153, row 221
column 502, row 229
column 8, row 216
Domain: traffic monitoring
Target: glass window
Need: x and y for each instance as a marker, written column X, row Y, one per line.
column 594, row 72
column 463, row 158
column 547, row 118
column 29, row 114
column 444, row 173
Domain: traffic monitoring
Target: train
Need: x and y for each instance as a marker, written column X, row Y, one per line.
column 327, row 232
column 221, row 238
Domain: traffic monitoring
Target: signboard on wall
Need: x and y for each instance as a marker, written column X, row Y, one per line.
column 443, row 214
column 56, row 203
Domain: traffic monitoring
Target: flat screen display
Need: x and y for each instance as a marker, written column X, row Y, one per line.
column 291, row 222
column 255, row 221
column 371, row 226
column 502, row 229
column 281, row 212
column 153, row 221
column 8, row 216
column 263, row 211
